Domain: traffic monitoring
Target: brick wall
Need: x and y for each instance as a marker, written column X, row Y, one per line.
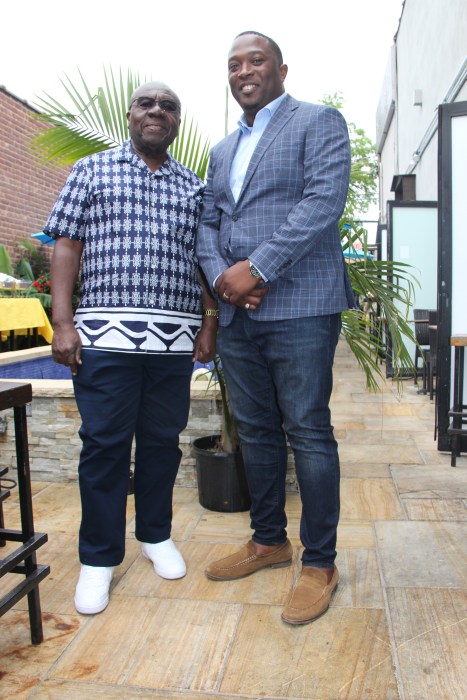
column 27, row 189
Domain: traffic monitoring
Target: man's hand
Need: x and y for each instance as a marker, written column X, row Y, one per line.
column 205, row 343
column 237, row 286
column 66, row 347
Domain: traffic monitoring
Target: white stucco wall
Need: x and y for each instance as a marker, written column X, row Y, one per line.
column 387, row 168
column 430, row 50
column 431, row 47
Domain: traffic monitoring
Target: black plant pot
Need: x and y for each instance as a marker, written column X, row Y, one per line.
column 222, row 484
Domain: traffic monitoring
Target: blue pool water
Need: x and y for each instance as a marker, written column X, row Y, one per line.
column 39, row 368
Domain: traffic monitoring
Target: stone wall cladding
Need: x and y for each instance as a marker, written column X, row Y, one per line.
column 54, row 444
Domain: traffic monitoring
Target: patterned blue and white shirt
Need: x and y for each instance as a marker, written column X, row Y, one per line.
column 139, row 286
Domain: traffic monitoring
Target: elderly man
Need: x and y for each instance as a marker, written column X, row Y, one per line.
column 128, row 216
column 275, row 192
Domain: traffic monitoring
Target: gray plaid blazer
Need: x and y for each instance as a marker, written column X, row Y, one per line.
column 286, row 217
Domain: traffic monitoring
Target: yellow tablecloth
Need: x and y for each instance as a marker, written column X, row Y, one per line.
column 20, row 314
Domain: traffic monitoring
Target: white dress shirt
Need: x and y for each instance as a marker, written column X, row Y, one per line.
column 248, row 142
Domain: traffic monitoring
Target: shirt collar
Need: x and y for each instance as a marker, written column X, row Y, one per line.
column 268, row 111
column 126, row 152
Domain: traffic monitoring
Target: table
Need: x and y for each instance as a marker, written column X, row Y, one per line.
column 18, row 315
column 22, row 560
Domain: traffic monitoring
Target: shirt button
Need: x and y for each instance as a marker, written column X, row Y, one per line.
column 235, row 218
column 151, row 301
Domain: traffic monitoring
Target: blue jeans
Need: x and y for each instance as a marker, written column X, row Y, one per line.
column 121, row 396
column 279, row 379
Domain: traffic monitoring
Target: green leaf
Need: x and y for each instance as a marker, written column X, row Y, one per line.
column 5, row 261
column 24, row 270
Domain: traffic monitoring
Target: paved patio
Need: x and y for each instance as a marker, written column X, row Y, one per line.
column 396, row 627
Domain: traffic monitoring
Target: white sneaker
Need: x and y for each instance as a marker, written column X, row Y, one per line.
column 92, row 590
column 167, row 560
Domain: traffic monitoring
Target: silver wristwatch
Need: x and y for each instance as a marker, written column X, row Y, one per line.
column 254, row 272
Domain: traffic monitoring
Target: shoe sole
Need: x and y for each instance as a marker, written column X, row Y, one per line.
column 91, row 611
column 279, row 565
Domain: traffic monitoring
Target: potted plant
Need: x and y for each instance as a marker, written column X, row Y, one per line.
column 222, row 484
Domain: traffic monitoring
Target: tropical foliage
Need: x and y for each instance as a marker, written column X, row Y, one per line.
column 96, row 120
column 382, row 287
column 22, row 271
column 364, row 168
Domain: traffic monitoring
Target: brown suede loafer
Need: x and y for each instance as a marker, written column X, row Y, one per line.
column 311, row 596
column 246, row 562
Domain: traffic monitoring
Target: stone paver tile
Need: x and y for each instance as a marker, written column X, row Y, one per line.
column 22, row 664
column 435, row 481
column 369, row 499
column 430, row 631
column 436, row 509
column 399, row 409
column 378, row 399
column 186, row 516
column 372, row 470
column 434, row 457
column 222, row 527
column 353, row 534
column 350, row 533
column 370, row 452
column 293, row 504
column 269, row 586
column 344, row 654
column 76, row 690
column 359, row 582
column 36, row 486
column 342, row 426
column 407, row 424
column 378, row 438
column 423, row 554
column 56, row 508
column 185, row 495
column 152, row 643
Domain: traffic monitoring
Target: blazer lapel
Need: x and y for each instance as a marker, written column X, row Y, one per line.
column 231, row 148
column 277, row 123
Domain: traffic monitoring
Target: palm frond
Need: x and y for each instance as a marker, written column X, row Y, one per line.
column 366, row 344
column 191, row 149
column 97, row 121
column 390, row 286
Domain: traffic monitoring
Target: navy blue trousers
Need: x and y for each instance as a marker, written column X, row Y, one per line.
column 121, row 396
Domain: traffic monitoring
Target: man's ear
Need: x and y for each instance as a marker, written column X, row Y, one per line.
column 283, row 70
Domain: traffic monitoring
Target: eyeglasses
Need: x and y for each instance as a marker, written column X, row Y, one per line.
column 147, row 103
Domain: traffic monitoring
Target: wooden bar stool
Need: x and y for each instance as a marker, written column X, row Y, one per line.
column 22, row 560
column 458, row 413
